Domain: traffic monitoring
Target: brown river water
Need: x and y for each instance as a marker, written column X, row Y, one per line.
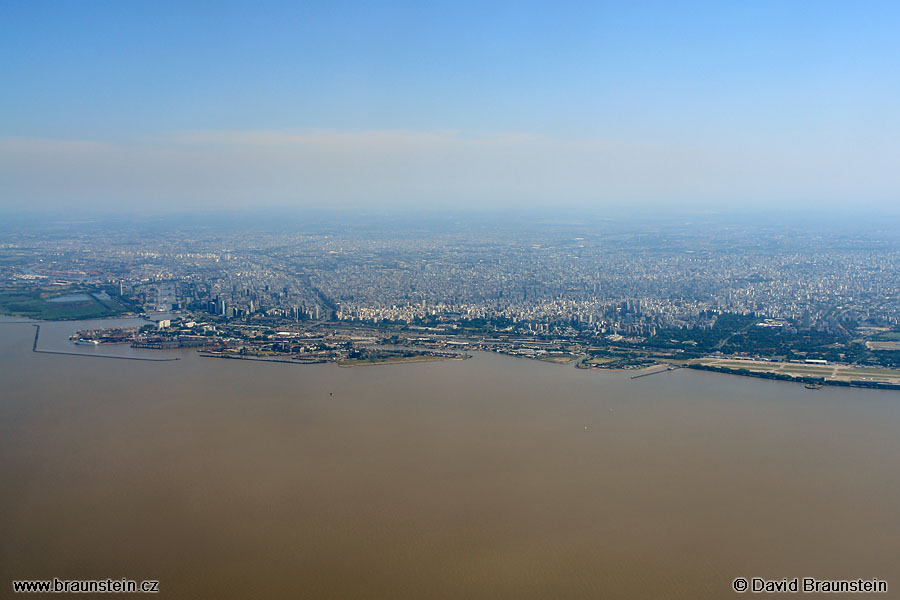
column 493, row 477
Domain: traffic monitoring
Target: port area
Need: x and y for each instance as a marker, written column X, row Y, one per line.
column 35, row 349
column 370, row 357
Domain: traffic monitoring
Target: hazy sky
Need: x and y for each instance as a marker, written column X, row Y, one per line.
column 116, row 105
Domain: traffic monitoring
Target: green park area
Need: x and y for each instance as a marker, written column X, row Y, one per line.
column 60, row 303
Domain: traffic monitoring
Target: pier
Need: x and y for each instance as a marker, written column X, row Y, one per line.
column 654, row 371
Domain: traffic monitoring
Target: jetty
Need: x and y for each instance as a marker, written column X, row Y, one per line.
column 654, row 371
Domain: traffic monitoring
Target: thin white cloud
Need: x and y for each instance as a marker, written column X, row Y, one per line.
column 415, row 168
column 382, row 138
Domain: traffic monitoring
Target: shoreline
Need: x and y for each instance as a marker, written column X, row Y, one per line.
column 411, row 359
column 259, row 359
column 811, row 382
column 784, row 378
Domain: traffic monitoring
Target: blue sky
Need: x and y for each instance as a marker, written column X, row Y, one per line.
column 403, row 104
